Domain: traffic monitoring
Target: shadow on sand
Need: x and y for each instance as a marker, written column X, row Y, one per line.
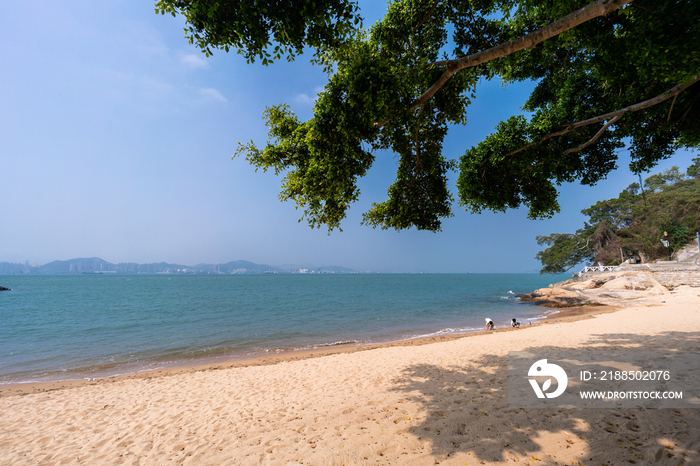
column 466, row 416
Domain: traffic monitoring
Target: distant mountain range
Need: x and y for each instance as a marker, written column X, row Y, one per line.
column 95, row 265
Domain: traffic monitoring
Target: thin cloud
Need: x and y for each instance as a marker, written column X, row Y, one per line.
column 212, row 94
column 304, row 99
column 194, row 61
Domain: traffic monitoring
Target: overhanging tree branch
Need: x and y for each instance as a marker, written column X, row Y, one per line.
column 594, row 138
column 668, row 118
column 570, row 21
column 641, row 105
column 390, row 76
column 673, row 92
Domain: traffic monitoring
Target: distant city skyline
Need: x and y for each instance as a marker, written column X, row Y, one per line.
column 116, row 139
column 96, row 265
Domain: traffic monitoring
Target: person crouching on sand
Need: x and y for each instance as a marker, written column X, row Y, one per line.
column 515, row 324
column 489, row 324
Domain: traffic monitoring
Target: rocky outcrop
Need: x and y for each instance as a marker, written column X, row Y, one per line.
column 628, row 283
column 554, row 297
column 668, row 274
column 620, row 280
column 689, row 254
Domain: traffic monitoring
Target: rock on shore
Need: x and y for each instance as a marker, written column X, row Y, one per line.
column 628, row 283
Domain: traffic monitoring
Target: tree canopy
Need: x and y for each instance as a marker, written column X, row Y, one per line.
column 253, row 27
column 631, row 224
column 609, row 73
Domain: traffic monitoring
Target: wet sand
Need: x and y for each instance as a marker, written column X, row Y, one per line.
column 563, row 315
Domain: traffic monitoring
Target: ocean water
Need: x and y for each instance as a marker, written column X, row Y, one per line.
column 68, row 327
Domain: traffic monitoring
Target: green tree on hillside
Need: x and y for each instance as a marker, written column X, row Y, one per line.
column 564, row 251
column 624, row 226
column 664, row 179
column 607, row 72
column 694, row 170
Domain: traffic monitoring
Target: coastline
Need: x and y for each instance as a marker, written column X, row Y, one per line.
column 569, row 314
column 125, row 325
column 412, row 404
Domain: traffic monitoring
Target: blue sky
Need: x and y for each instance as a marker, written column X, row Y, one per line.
column 116, row 139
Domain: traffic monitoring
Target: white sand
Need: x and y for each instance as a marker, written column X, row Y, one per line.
column 420, row 405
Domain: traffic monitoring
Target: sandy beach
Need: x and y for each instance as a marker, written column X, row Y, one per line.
column 419, row 403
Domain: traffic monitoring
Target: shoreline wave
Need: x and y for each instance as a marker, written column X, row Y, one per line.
column 207, row 356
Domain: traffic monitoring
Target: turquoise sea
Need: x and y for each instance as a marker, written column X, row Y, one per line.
column 77, row 326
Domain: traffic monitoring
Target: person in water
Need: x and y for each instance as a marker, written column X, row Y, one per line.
column 515, row 324
column 489, row 324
